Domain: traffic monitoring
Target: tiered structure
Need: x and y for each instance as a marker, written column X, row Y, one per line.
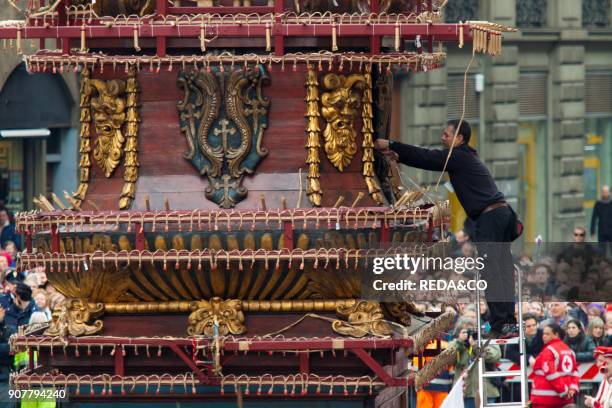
column 248, row 281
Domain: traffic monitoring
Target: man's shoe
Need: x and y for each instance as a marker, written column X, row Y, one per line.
column 506, row 331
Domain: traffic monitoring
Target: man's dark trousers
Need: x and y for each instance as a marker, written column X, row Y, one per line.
column 493, row 234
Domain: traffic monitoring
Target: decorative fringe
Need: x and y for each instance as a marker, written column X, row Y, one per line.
column 436, row 365
column 432, row 331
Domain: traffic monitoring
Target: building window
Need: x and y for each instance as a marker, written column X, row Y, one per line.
column 595, row 13
column 461, row 10
column 531, row 13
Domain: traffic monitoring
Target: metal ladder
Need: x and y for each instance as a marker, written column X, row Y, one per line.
column 482, row 373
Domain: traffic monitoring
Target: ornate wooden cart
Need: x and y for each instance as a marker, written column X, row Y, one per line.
column 197, row 261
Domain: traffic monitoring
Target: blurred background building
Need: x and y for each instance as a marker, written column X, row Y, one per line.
column 541, row 113
column 542, row 120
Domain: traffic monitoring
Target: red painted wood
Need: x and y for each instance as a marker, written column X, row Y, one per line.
column 304, row 363
column 442, row 32
column 375, row 367
column 221, row 10
column 119, row 361
column 164, row 173
column 55, row 239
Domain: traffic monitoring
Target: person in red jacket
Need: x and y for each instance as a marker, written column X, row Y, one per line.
column 556, row 379
column 603, row 357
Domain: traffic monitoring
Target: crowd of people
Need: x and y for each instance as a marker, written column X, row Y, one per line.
column 26, row 298
column 551, row 319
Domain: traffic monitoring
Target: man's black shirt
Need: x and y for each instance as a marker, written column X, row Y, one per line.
column 475, row 187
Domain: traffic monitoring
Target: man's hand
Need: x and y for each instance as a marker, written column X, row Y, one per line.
column 571, row 394
column 381, row 144
column 2, row 314
column 589, row 401
column 531, row 360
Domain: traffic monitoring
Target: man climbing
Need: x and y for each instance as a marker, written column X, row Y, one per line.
column 483, row 202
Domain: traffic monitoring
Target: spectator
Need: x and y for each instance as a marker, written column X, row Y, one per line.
column 555, row 381
column 38, row 318
column 602, row 217
column 7, row 230
column 5, row 263
column 540, row 277
column 537, row 309
column 581, row 344
column 6, row 360
column 608, row 323
column 18, row 313
column 11, row 249
column 557, row 313
column 579, row 254
column 596, row 331
column 465, row 342
column 31, row 280
column 578, row 311
column 42, row 303
column 595, row 310
column 10, row 285
column 533, row 341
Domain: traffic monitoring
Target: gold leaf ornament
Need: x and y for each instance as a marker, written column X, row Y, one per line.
column 227, row 315
column 72, row 317
column 362, row 318
column 109, row 115
column 340, row 109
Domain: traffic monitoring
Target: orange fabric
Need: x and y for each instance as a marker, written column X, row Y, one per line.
column 430, row 399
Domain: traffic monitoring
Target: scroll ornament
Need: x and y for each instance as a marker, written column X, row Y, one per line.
column 72, row 317
column 362, row 318
column 223, row 116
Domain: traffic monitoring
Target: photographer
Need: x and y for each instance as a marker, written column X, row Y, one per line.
column 465, row 341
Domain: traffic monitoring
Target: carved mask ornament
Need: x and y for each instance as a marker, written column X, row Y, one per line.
column 223, row 116
column 109, row 114
column 340, row 109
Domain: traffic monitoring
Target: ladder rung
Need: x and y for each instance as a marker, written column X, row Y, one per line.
column 501, row 342
column 493, row 374
column 505, row 405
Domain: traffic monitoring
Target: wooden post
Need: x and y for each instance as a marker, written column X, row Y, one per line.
column 55, row 239
column 374, row 40
column 140, row 237
column 119, row 361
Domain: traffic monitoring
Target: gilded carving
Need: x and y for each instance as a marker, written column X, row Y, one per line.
column 216, row 317
column 73, row 317
column 362, row 318
column 340, row 108
column 130, row 175
column 313, row 141
column 113, row 107
column 109, row 114
column 368, row 141
column 223, row 116
column 85, row 147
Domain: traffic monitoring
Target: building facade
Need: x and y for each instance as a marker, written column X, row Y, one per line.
column 543, row 122
column 38, row 137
